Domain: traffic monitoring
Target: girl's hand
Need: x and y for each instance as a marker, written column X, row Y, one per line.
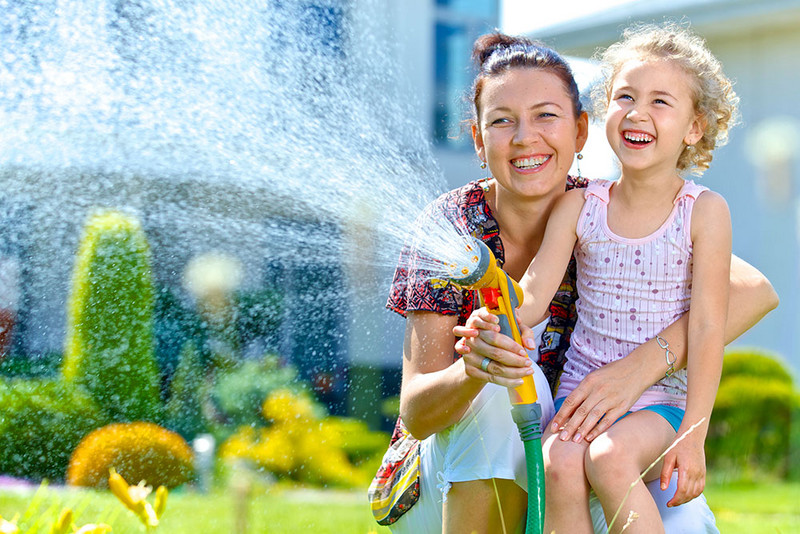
column 600, row 399
column 688, row 457
column 489, row 355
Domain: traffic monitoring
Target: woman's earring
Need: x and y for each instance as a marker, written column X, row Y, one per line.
column 578, row 163
column 485, row 181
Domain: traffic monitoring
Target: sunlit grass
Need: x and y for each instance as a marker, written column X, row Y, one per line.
column 275, row 511
column 770, row 508
column 756, row 507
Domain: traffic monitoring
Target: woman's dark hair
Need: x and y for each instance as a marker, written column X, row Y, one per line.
column 495, row 54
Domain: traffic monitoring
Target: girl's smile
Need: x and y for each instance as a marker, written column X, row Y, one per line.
column 636, row 139
column 651, row 116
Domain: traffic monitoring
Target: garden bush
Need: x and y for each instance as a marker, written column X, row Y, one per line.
column 42, row 422
column 188, row 392
column 753, row 362
column 751, row 424
column 239, row 392
column 137, row 451
column 110, row 347
column 299, row 443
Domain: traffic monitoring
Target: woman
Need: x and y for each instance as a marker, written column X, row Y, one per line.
column 528, row 126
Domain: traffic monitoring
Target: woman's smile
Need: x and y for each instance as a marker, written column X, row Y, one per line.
column 530, row 163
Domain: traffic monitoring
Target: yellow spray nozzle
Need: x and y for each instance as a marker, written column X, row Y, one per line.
column 501, row 295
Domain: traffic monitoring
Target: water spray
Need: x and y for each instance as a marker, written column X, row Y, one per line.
column 501, row 295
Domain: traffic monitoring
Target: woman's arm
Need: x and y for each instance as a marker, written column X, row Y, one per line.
column 436, row 391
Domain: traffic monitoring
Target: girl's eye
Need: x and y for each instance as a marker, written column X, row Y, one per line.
column 624, row 97
column 500, row 121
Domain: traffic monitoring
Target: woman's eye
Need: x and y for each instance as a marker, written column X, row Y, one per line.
column 501, row 121
column 547, row 115
column 659, row 101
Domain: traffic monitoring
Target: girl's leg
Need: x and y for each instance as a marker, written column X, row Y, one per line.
column 472, row 506
column 566, row 487
column 615, row 460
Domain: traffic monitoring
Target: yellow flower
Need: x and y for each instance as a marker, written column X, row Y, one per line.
column 8, row 527
column 92, row 528
column 120, row 488
column 133, row 497
column 161, row 500
column 284, row 406
column 61, row 526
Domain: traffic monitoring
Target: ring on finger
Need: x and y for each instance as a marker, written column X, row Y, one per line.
column 485, row 364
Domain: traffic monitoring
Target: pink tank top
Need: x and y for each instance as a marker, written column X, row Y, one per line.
column 629, row 290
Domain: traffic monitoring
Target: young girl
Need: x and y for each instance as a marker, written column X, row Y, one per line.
column 649, row 247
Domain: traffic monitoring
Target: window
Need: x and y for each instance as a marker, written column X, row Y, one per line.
column 458, row 23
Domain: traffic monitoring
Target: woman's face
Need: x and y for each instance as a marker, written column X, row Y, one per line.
column 527, row 131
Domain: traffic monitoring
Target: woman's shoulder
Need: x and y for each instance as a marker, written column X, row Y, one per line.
column 467, row 194
column 577, row 182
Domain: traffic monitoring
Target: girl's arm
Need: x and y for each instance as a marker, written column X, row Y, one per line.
column 613, row 389
column 436, row 391
column 545, row 273
column 711, row 252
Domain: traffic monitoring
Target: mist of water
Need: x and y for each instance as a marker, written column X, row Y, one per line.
column 214, row 119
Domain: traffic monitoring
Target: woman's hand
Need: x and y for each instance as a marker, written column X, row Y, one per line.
column 489, row 355
column 688, row 457
column 600, row 399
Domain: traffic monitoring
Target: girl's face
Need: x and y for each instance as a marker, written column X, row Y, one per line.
column 651, row 116
column 527, row 131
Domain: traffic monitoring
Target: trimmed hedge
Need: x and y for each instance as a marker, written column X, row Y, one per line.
column 138, row 451
column 42, row 422
column 110, row 347
column 752, row 422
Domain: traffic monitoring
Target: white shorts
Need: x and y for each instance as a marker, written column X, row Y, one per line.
column 485, row 444
column 693, row 517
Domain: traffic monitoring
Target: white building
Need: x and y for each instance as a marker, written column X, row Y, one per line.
column 758, row 172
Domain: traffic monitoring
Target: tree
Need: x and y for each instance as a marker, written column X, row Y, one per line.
column 110, row 344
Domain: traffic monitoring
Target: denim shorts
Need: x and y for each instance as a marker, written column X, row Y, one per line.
column 672, row 414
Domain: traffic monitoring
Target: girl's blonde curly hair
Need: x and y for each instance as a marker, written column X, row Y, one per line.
column 714, row 98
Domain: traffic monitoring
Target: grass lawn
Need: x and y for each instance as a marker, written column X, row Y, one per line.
column 273, row 512
column 740, row 508
column 753, row 508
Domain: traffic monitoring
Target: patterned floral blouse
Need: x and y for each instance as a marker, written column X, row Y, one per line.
column 413, row 289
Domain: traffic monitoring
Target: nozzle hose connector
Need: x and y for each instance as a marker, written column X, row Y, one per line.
column 472, row 271
column 528, row 418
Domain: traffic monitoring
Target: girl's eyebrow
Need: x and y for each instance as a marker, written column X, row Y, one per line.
column 663, row 93
column 652, row 93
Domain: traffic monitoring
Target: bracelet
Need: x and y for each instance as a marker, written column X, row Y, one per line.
column 668, row 354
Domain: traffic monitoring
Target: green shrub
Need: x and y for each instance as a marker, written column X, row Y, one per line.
column 42, row 421
column 18, row 365
column 109, row 347
column 752, row 421
column 239, row 392
column 184, row 410
column 753, row 362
